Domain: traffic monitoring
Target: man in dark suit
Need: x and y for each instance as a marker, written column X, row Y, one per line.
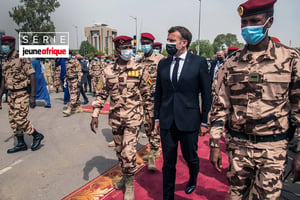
column 180, row 78
column 215, row 64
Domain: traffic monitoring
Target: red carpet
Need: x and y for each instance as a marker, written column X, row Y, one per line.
column 148, row 185
column 89, row 108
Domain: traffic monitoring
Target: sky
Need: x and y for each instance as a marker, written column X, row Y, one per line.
column 157, row 16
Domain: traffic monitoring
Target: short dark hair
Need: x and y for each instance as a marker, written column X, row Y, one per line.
column 185, row 33
column 270, row 13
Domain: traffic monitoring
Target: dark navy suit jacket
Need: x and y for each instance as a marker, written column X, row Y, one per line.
column 181, row 104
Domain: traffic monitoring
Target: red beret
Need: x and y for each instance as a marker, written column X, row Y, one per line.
column 275, row 39
column 254, row 7
column 116, row 55
column 122, row 40
column 157, row 44
column 148, row 36
column 70, row 51
column 232, row 48
column 4, row 38
column 95, row 54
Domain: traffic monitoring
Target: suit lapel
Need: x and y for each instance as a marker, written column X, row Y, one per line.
column 184, row 69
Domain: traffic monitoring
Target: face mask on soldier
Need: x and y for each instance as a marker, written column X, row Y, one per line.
column 126, row 54
column 5, row 49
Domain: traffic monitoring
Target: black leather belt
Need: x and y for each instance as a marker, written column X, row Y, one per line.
column 258, row 138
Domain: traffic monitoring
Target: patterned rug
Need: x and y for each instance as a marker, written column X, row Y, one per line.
column 211, row 185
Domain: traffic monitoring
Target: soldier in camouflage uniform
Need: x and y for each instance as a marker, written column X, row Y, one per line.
column 255, row 92
column 73, row 78
column 95, row 71
column 150, row 62
column 57, row 78
column 128, row 85
column 18, row 77
column 48, row 73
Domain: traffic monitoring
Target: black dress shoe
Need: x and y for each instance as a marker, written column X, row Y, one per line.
column 190, row 188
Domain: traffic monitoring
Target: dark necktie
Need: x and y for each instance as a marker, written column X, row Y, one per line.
column 175, row 71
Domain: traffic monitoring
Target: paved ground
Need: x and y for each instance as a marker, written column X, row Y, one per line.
column 71, row 155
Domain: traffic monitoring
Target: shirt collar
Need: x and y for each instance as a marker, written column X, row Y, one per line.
column 268, row 54
column 182, row 56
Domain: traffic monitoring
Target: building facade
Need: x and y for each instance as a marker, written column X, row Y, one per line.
column 101, row 37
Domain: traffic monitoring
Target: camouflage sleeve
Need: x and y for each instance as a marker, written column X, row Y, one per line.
column 28, row 69
column 148, row 99
column 79, row 71
column 102, row 93
column 295, row 94
column 220, row 106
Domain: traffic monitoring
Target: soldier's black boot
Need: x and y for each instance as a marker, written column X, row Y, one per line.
column 21, row 145
column 37, row 138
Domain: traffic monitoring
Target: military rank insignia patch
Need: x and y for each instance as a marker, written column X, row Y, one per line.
column 99, row 86
column 149, row 81
column 133, row 73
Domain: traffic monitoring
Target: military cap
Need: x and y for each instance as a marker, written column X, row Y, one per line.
column 275, row 39
column 157, row 44
column 232, row 48
column 148, row 36
column 95, row 54
column 254, row 7
column 122, row 40
column 6, row 37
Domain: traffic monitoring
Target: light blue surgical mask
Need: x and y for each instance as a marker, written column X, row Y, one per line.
column 156, row 51
column 96, row 59
column 5, row 49
column 146, row 48
column 126, row 54
column 254, row 34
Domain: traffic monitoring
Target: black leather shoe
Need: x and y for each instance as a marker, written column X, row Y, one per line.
column 190, row 188
column 18, row 147
column 86, row 102
column 37, row 138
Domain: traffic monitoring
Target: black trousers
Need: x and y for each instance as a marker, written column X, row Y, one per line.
column 189, row 145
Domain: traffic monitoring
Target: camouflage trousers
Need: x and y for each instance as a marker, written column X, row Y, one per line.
column 49, row 80
column 126, row 139
column 18, row 104
column 153, row 137
column 256, row 173
column 95, row 80
column 74, row 92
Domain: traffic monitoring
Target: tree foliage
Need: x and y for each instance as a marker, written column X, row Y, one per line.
column 86, row 49
column 223, row 41
column 206, row 48
column 34, row 15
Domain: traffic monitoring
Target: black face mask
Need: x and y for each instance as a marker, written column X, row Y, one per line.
column 171, row 49
column 220, row 59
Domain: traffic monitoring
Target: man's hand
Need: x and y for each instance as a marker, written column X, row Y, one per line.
column 32, row 102
column 216, row 158
column 150, row 125
column 94, row 124
column 203, row 130
column 296, row 167
column 156, row 127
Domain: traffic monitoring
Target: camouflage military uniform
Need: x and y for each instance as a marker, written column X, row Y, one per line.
column 16, row 73
column 150, row 63
column 73, row 76
column 57, row 78
column 254, row 93
column 48, row 73
column 128, row 87
column 95, row 72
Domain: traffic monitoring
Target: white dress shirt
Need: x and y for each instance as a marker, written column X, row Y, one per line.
column 181, row 62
